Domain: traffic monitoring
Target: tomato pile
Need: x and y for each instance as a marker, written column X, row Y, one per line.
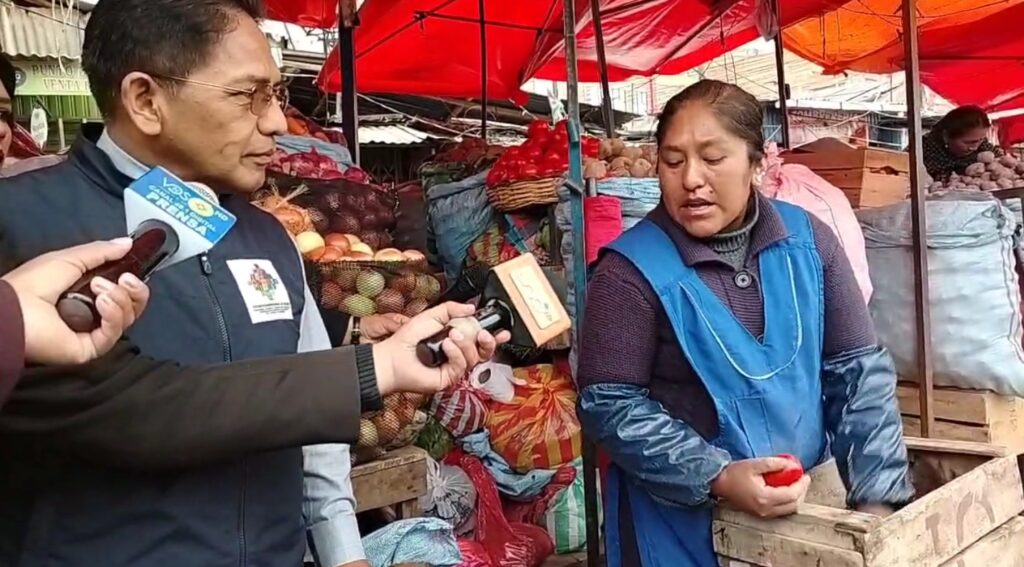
column 545, row 153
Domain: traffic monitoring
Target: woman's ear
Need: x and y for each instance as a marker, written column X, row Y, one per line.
column 142, row 99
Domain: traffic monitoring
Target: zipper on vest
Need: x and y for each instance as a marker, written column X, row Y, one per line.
column 207, row 267
column 242, row 559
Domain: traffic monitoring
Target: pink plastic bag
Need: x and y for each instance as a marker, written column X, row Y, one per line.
column 798, row 185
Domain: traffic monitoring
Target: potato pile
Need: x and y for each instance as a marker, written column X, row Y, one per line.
column 988, row 174
column 616, row 159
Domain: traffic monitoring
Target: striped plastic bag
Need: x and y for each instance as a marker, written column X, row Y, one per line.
column 460, row 410
column 539, row 428
column 566, row 519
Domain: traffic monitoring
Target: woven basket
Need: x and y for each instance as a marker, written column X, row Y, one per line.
column 524, row 194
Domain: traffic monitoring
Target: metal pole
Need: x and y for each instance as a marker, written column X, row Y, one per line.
column 483, row 72
column 602, row 64
column 919, row 221
column 579, row 271
column 780, row 68
column 349, row 100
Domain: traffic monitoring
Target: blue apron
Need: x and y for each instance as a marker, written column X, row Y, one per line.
column 767, row 393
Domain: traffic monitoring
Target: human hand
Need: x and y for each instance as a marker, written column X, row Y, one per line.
column 742, row 485
column 376, row 328
column 39, row 284
column 398, row 368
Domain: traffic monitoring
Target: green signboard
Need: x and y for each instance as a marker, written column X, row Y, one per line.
column 40, row 77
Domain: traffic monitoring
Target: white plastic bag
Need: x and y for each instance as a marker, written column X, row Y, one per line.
column 450, row 496
column 797, row 185
column 974, row 291
column 496, row 381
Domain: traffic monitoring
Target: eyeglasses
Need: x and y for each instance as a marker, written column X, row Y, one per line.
column 261, row 96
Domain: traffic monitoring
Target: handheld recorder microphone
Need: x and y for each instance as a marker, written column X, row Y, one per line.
column 169, row 220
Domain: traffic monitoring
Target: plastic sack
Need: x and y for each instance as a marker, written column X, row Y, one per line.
column 539, row 428
column 415, row 541
column 975, row 296
column 291, row 144
column 450, row 495
column 460, row 410
column 459, row 213
column 798, row 185
column 533, row 511
column 566, row 516
column 638, row 196
column 519, row 487
column 496, row 381
column 474, row 554
column 507, row 544
column 397, row 425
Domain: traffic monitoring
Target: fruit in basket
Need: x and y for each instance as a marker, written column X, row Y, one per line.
column 414, row 256
column 352, row 239
column 367, row 434
column 372, row 239
column 406, row 412
column 291, row 217
column 404, row 283
column 427, row 288
column 390, row 301
column 331, row 295
column 389, row 255
column 415, row 307
column 338, row 241
column 640, row 168
column 331, row 254
column 362, row 248
column 370, row 283
column 359, row 306
column 309, row 241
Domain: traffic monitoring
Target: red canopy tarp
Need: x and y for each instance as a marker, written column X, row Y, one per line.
column 400, row 51
column 970, row 50
column 321, row 14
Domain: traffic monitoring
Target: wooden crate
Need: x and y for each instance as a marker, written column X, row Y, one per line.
column 966, row 415
column 397, row 479
column 869, row 177
column 1004, row 547
column 967, row 491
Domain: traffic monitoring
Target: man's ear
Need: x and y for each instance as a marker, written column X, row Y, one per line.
column 143, row 102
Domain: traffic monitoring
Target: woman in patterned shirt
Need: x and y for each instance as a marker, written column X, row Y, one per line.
column 956, row 140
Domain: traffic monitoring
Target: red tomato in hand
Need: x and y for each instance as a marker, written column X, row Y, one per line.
column 538, row 129
column 786, row 476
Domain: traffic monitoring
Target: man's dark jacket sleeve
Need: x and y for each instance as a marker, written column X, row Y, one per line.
column 128, row 410
column 12, row 341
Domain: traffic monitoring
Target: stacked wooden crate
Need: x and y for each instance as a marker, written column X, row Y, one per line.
column 869, row 177
column 966, row 514
column 966, row 415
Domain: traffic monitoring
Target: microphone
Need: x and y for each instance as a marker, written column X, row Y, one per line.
column 518, row 297
column 168, row 221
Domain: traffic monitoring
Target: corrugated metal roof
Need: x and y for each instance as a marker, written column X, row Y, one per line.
column 39, row 32
column 394, row 134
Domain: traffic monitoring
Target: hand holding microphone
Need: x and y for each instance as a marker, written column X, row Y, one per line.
column 399, row 368
column 40, row 282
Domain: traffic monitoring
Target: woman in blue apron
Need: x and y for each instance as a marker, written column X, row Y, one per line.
column 721, row 331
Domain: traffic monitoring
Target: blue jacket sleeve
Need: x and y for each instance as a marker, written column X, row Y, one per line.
column 863, row 420
column 663, row 454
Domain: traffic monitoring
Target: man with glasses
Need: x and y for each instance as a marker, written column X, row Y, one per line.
column 189, row 85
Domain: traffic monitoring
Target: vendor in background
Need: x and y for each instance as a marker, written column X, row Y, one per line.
column 9, row 166
column 956, row 140
column 723, row 330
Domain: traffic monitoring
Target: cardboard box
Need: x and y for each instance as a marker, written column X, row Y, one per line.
column 869, row 177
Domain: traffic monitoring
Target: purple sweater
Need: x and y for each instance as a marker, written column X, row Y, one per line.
column 627, row 338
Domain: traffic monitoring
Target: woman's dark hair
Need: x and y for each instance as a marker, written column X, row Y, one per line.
column 962, row 120
column 7, row 75
column 737, row 110
column 171, row 38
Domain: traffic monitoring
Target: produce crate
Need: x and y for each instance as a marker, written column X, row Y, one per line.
column 869, row 177
column 966, row 415
column 397, row 479
column 969, row 497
